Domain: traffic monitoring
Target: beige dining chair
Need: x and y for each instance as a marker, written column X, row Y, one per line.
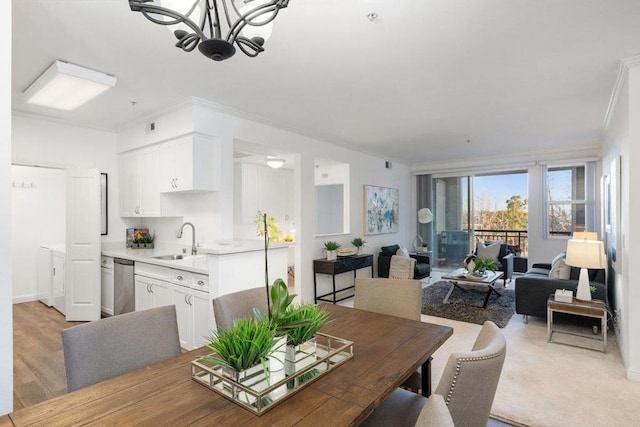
column 227, row 308
column 106, row 348
column 395, row 297
column 464, row 394
column 401, row 267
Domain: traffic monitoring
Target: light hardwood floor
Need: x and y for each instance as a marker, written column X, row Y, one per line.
column 38, row 362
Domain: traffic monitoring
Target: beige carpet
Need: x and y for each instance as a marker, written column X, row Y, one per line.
column 547, row 384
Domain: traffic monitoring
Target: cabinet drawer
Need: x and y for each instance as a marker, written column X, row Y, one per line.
column 106, row 262
column 189, row 279
column 155, row 271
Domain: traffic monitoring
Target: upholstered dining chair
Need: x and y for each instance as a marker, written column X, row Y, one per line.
column 227, row 308
column 395, row 297
column 401, row 267
column 106, row 348
column 464, row 394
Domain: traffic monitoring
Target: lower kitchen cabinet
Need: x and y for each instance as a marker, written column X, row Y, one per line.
column 192, row 309
column 152, row 293
column 106, row 294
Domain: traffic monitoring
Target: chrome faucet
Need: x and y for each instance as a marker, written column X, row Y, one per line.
column 194, row 249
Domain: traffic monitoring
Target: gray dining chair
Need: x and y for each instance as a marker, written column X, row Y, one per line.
column 464, row 394
column 106, row 348
column 394, row 297
column 227, row 308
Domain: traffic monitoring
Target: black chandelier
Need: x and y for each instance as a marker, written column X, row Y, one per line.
column 202, row 22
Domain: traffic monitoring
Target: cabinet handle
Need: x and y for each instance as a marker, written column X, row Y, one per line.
column 186, row 299
column 151, row 288
column 180, row 277
column 176, row 182
column 54, row 271
column 201, row 282
column 191, row 300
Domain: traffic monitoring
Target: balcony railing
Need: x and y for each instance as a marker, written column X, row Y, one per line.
column 517, row 238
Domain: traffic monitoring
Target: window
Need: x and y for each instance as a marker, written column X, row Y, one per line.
column 566, row 200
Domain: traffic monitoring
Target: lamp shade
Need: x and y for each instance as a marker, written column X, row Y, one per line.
column 585, row 253
column 586, row 235
column 425, row 216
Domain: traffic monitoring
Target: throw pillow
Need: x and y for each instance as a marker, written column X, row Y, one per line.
column 389, row 250
column 403, row 252
column 559, row 268
column 490, row 251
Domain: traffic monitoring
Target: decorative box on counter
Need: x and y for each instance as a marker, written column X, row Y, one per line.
column 139, row 238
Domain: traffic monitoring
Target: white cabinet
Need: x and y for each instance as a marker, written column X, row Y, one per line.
column 139, row 190
column 191, row 298
column 189, row 292
column 190, row 163
column 152, row 293
column 59, row 302
column 263, row 188
column 106, row 294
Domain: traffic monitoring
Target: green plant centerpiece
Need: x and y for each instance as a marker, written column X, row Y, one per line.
column 481, row 265
column 246, row 345
column 299, row 323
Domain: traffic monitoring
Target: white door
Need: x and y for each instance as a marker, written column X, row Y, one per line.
column 82, row 270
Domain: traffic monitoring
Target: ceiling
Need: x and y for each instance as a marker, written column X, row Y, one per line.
column 428, row 80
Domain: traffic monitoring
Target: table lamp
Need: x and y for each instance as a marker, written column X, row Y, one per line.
column 585, row 254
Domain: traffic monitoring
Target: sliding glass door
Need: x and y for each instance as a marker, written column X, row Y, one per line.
column 452, row 221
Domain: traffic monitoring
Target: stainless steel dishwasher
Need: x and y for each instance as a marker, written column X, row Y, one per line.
column 123, row 286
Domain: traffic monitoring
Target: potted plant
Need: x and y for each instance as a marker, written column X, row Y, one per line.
column 330, row 248
column 243, row 350
column 358, row 243
column 298, row 323
column 481, row 265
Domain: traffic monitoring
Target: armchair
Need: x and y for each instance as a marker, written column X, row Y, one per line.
column 422, row 268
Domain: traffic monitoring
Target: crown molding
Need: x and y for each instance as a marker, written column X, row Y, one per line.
column 623, row 71
column 511, row 162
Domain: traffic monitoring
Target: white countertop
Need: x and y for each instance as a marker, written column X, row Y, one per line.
column 193, row 263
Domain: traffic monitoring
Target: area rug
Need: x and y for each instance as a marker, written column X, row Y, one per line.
column 467, row 306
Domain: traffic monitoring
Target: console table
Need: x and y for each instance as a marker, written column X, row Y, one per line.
column 338, row 266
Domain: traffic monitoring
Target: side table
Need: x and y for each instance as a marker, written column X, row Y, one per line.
column 594, row 308
column 338, row 266
column 520, row 264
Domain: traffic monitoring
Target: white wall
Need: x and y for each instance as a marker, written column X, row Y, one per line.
column 37, row 141
column 622, row 139
column 38, row 218
column 6, row 317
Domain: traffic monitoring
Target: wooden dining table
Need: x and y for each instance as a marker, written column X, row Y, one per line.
column 386, row 350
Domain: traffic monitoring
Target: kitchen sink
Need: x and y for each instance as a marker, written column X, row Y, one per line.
column 170, row 257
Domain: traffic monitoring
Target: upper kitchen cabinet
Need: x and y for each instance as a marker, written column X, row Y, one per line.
column 139, row 189
column 262, row 188
column 189, row 163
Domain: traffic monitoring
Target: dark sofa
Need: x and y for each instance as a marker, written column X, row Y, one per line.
column 421, row 270
column 535, row 286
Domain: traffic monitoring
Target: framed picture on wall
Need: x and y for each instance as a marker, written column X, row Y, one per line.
column 381, row 210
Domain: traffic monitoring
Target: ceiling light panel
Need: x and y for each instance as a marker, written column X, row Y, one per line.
column 67, row 86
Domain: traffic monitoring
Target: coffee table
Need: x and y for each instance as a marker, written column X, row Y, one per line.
column 460, row 276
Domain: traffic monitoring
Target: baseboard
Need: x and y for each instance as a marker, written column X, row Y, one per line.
column 25, row 298
column 633, row 375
